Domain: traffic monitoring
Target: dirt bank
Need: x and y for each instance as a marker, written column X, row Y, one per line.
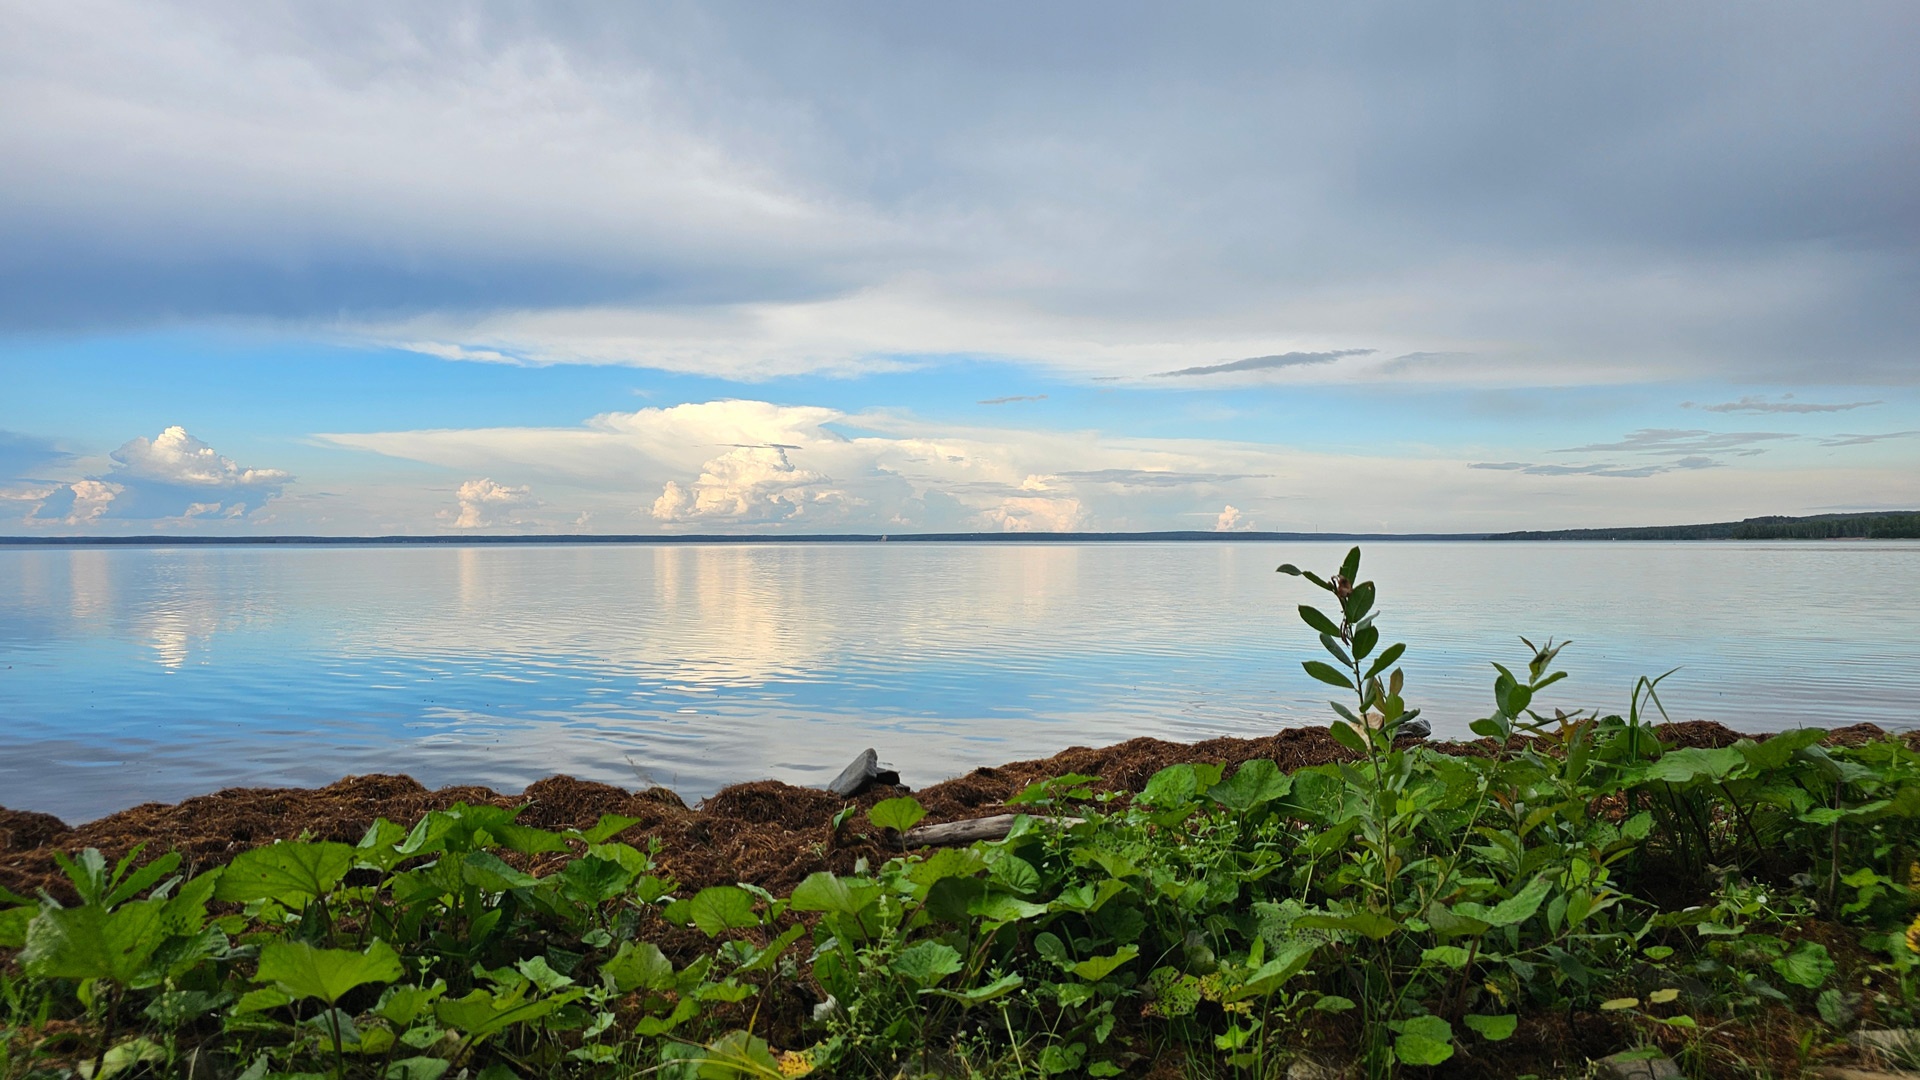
column 766, row 832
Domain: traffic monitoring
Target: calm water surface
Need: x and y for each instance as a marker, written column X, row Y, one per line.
column 133, row 674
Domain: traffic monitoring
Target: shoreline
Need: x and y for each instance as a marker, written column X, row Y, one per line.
column 764, row 832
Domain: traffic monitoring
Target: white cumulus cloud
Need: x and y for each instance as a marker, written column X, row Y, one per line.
column 485, row 504
column 750, row 484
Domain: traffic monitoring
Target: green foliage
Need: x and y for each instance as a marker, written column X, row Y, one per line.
column 301, row 970
column 1571, row 865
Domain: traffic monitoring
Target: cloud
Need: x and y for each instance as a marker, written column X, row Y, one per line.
column 1266, row 363
column 1863, row 440
column 750, row 193
column 25, row 456
column 1035, row 513
column 1603, row 469
column 1678, row 441
column 1751, row 404
column 485, row 504
column 751, row 485
column 1153, row 477
column 1230, row 520
column 1011, row 400
column 892, row 471
column 169, row 479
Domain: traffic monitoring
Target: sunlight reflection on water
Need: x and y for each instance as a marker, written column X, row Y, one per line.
column 130, row 674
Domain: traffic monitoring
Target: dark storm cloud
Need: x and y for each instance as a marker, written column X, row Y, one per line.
column 1425, row 174
column 1266, row 363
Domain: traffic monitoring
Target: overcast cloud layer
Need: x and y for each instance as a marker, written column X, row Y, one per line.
column 1709, row 209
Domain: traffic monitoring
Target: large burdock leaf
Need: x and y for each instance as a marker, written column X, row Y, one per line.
column 898, row 814
column 927, row 962
column 304, row 971
column 1807, row 965
column 1099, row 967
column 722, row 908
column 482, row 1013
column 92, row 943
column 1423, row 1040
column 638, row 967
column 1256, row 783
column 291, row 873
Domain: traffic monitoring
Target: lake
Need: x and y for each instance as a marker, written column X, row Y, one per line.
column 130, row 674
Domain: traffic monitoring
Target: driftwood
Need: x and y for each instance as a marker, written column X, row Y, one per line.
column 966, row 832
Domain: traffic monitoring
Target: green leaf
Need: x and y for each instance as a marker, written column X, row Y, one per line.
column 481, row 1013
column 1000, row 908
column 528, row 840
column 1096, row 968
column 418, row 1068
column 946, row 863
column 1619, row 1004
column 1364, row 639
column 1359, row 602
column 638, row 966
column 487, row 871
column 770, row 955
column 720, row 908
column 1350, row 566
column 980, row 995
column 1512, row 911
column 1313, row 617
column 1175, row 785
column 1386, row 659
column 821, row 891
column 305, row 971
column 608, row 827
column 1256, row 783
column 1016, row 873
column 1348, row 736
column 92, row 943
column 402, row 1005
column 1493, row 1028
column 135, row 1051
column 541, row 974
column 1327, row 673
column 290, row 873
column 1452, row 956
column 1423, row 1040
column 1291, row 960
column 1807, row 965
column 898, row 814
column 1681, row 766
column 1369, row 923
column 1778, row 750
column 138, row 882
column 13, row 926
column 927, row 962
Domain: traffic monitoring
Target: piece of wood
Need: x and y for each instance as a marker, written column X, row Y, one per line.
column 953, row 833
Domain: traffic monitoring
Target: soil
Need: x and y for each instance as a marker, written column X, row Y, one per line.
column 766, row 832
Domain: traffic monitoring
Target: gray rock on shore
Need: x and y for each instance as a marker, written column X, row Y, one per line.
column 861, row 773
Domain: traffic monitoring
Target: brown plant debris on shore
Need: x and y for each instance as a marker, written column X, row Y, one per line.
column 766, row 833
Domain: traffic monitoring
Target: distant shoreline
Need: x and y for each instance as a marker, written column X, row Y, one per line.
column 1880, row 525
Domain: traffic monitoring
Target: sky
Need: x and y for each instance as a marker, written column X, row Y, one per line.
column 374, row 268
